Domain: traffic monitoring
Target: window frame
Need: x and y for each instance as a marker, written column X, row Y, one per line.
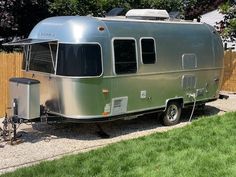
column 141, row 51
column 28, row 60
column 81, row 43
column 25, row 61
column 113, row 54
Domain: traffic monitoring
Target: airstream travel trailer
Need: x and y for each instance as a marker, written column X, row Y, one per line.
column 98, row 69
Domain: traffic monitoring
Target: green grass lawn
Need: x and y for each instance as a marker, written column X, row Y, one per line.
column 206, row 148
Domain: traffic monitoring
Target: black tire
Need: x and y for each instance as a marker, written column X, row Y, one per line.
column 172, row 114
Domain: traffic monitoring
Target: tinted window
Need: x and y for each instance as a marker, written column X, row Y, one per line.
column 148, row 51
column 42, row 57
column 125, row 56
column 79, row 60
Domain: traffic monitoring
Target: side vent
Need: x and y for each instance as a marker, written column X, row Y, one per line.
column 188, row 82
column 189, row 61
column 119, row 105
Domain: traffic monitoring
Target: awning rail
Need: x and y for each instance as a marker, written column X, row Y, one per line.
column 24, row 42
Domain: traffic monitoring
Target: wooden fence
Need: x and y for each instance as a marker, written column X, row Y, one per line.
column 229, row 79
column 10, row 66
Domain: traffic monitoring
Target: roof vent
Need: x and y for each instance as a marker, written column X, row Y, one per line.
column 148, row 14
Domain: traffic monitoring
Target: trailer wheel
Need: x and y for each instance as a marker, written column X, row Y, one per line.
column 172, row 114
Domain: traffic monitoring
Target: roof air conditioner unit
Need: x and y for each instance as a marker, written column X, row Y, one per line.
column 147, row 14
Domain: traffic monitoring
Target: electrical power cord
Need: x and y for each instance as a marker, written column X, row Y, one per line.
column 193, row 96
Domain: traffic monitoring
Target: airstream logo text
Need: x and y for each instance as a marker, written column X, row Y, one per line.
column 46, row 34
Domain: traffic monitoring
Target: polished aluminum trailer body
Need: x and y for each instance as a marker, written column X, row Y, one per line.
column 167, row 61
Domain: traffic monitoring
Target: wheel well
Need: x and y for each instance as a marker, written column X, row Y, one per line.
column 178, row 100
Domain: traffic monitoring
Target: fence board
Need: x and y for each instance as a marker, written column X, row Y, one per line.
column 229, row 78
column 10, row 67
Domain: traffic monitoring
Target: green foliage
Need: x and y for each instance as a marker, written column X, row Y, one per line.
column 64, row 7
column 195, row 8
column 204, row 148
column 169, row 5
column 98, row 8
column 76, row 7
column 224, row 8
column 232, row 23
column 18, row 17
column 228, row 26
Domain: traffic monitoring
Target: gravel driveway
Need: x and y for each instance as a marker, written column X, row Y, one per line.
column 45, row 142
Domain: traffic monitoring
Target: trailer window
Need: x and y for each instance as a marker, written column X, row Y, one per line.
column 42, row 57
column 79, row 60
column 148, row 51
column 125, row 56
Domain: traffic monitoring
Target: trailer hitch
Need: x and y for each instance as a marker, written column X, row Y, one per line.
column 6, row 130
column 10, row 125
column 9, row 133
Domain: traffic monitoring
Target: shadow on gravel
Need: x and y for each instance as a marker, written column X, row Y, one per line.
column 90, row 132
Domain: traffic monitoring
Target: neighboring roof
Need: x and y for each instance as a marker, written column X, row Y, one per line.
column 212, row 17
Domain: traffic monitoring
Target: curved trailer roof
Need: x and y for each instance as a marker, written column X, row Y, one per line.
column 75, row 29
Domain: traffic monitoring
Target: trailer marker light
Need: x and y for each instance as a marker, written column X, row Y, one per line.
column 105, row 91
column 105, row 113
column 101, row 28
column 107, row 110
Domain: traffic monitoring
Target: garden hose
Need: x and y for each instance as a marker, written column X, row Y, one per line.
column 194, row 105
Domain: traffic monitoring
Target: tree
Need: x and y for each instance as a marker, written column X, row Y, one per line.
column 76, row 7
column 227, row 27
column 98, row 7
column 193, row 9
column 168, row 5
column 19, row 16
column 7, row 19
